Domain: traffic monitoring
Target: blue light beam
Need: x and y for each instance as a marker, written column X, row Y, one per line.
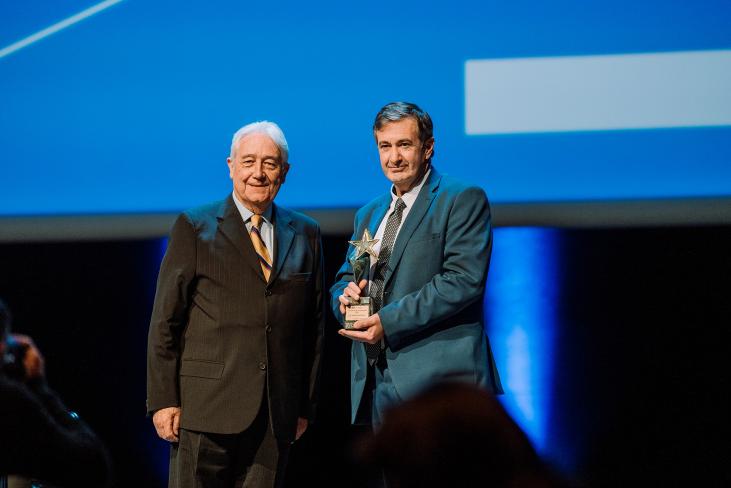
column 58, row 26
column 520, row 306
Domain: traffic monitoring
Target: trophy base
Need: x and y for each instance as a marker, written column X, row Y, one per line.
column 358, row 311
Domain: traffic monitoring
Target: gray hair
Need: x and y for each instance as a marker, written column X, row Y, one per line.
column 401, row 110
column 263, row 127
column 395, row 111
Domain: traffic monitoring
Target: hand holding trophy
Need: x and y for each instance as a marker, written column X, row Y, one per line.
column 363, row 307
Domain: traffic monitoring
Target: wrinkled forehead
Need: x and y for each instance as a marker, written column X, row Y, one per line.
column 394, row 130
column 257, row 144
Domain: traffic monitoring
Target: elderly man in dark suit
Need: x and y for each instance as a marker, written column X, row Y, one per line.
column 428, row 282
column 236, row 330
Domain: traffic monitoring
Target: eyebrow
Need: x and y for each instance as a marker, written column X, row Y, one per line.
column 244, row 156
column 397, row 142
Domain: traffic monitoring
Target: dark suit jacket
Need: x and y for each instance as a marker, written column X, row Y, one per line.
column 220, row 336
column 434, row 287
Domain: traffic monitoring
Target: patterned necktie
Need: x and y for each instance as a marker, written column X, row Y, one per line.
column 261, row 249
column 376, row 288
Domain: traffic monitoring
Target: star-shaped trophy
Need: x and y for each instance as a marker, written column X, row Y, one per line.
column 362, row 308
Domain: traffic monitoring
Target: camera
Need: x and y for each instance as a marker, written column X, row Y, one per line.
column 12, row 360
column 13, row 354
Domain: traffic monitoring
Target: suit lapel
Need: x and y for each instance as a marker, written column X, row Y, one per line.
column 416, row 214
column 372, row 220
column 283, row 238
column 379, row 212
column 233, row 228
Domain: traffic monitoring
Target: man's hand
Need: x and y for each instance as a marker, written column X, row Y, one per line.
column 167, row 423
column 367, row 330
column 33, row 362
column 302, row 424
column 352, row 291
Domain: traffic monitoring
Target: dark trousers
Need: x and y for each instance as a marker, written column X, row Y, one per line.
column 379, row 395
column 250, row 459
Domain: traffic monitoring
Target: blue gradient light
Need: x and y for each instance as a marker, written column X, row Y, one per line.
column 158, row 450
column 171, row 86
column 520, row 304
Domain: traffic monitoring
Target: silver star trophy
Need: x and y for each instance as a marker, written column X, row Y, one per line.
column 362, row 308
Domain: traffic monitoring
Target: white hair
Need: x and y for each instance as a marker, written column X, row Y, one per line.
column 263, row 127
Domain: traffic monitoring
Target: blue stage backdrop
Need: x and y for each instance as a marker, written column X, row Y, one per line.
column 128, row 106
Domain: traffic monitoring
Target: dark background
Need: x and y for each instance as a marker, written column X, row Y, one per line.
column 639, row 396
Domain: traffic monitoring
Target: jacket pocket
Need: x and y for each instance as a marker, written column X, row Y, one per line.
column 425, row 237
column 300, row 277
column 201, row 368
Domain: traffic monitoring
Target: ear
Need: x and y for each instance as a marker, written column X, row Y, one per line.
column 283, row 176
column 428, row 148
column 230, row 168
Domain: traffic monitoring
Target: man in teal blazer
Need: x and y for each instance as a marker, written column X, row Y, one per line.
column 428, row 282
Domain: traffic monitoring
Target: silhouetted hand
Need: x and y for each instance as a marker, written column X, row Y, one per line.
column 33, row 363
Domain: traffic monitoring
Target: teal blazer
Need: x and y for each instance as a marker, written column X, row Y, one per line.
column 434, row 289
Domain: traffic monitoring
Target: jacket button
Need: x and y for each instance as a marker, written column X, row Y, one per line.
column 268, row 293
column 262, row 366
column 269, row 328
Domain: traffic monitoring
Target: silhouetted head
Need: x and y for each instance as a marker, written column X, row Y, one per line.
column 454, row 435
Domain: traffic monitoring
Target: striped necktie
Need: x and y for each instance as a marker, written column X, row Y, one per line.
column 375, row 291
column 261, row 249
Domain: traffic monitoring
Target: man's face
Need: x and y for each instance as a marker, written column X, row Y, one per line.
column 403, row 156
column 257, row 171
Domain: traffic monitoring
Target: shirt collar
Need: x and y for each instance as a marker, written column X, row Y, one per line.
column 246, row 213
column 410, row 196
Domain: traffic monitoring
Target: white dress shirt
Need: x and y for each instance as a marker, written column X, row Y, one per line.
column 267, row 228
column 409, row 198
